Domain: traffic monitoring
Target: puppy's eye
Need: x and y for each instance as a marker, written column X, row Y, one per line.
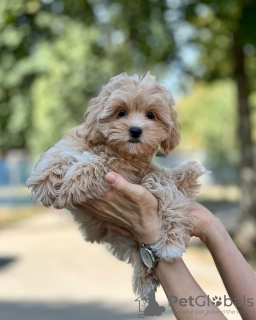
column 122, row 113
column 150, row 115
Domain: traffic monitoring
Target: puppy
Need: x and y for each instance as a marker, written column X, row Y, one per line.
column 130, row 120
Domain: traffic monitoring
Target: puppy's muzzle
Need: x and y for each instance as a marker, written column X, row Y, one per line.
column 135, row 132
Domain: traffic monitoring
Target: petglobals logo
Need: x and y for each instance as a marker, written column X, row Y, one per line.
column 202, row 301
column 150, row 307
column 217, row 301
column 200, row 305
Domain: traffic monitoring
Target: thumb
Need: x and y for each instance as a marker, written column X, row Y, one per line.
column 117, row 182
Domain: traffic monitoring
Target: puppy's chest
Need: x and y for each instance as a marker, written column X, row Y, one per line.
column 126, row 170
column 132, row 172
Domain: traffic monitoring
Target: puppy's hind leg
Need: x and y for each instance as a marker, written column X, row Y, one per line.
column 144, row 280
column 173, row 209
column 127, row 249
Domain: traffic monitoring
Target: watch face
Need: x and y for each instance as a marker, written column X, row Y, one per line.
column 146, row 257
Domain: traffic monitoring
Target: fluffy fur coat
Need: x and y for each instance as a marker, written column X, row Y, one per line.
column 130, row 120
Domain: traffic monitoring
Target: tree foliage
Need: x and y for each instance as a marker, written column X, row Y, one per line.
column 56, row 54
column 210, row 124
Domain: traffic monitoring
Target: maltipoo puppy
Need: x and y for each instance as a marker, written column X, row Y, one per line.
column 130, row 120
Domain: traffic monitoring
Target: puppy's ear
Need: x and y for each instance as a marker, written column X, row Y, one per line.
column 173, row 138
column 92, row 132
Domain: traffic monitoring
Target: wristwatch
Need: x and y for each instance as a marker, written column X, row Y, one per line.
column 148, row 256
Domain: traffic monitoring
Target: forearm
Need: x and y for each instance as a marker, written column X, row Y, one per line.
column 236, row 274
column 178, row 283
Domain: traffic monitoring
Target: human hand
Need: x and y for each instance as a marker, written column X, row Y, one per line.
column 204, row 222
column 129, row 209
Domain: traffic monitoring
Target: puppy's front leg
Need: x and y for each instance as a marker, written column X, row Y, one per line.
column 47, row 176
column 83, row 180
column 186, row 177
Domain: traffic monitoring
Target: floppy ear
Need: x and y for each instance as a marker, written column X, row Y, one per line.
column 92, row 132
column 173, row 138
column 93, row 135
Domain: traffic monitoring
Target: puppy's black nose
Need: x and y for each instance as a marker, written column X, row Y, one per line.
column 135, row 132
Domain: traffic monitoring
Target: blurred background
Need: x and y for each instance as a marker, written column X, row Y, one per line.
column 54, row 57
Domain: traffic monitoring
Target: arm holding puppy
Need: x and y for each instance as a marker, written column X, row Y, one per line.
column 132, row 211
column 237, row 276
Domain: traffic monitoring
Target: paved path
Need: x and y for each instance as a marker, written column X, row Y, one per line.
column 47, row 272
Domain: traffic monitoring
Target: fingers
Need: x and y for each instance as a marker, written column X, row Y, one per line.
column 124, row 232
column 133, row 192
column 100, row 210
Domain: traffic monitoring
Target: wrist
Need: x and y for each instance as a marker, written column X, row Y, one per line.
column 148, row 232
column 149, row 236
column 214, row 233
column 164, row 265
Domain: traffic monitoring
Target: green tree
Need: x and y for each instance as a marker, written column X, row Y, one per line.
column 226, row 40
column 206, row 117
column 49, row 66
column 56, row 54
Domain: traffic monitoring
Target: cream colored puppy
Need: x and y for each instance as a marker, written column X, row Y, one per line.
column 130, row 120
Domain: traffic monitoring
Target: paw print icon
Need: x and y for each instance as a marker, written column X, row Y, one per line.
column 216, row 301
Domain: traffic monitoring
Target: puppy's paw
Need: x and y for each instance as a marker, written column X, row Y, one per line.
column 43, row 191
column 186, row 177
column 70, row 195
column 194, row 168
column 84, row 180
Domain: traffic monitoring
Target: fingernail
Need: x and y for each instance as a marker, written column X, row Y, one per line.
column 111, row 178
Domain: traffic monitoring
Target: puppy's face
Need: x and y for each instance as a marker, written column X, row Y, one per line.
column 136, row 117
column 133, row 122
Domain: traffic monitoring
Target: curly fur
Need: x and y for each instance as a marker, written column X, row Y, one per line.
column 73, row 170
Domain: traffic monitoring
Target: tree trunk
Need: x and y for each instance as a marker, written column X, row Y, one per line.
column 247, row 174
